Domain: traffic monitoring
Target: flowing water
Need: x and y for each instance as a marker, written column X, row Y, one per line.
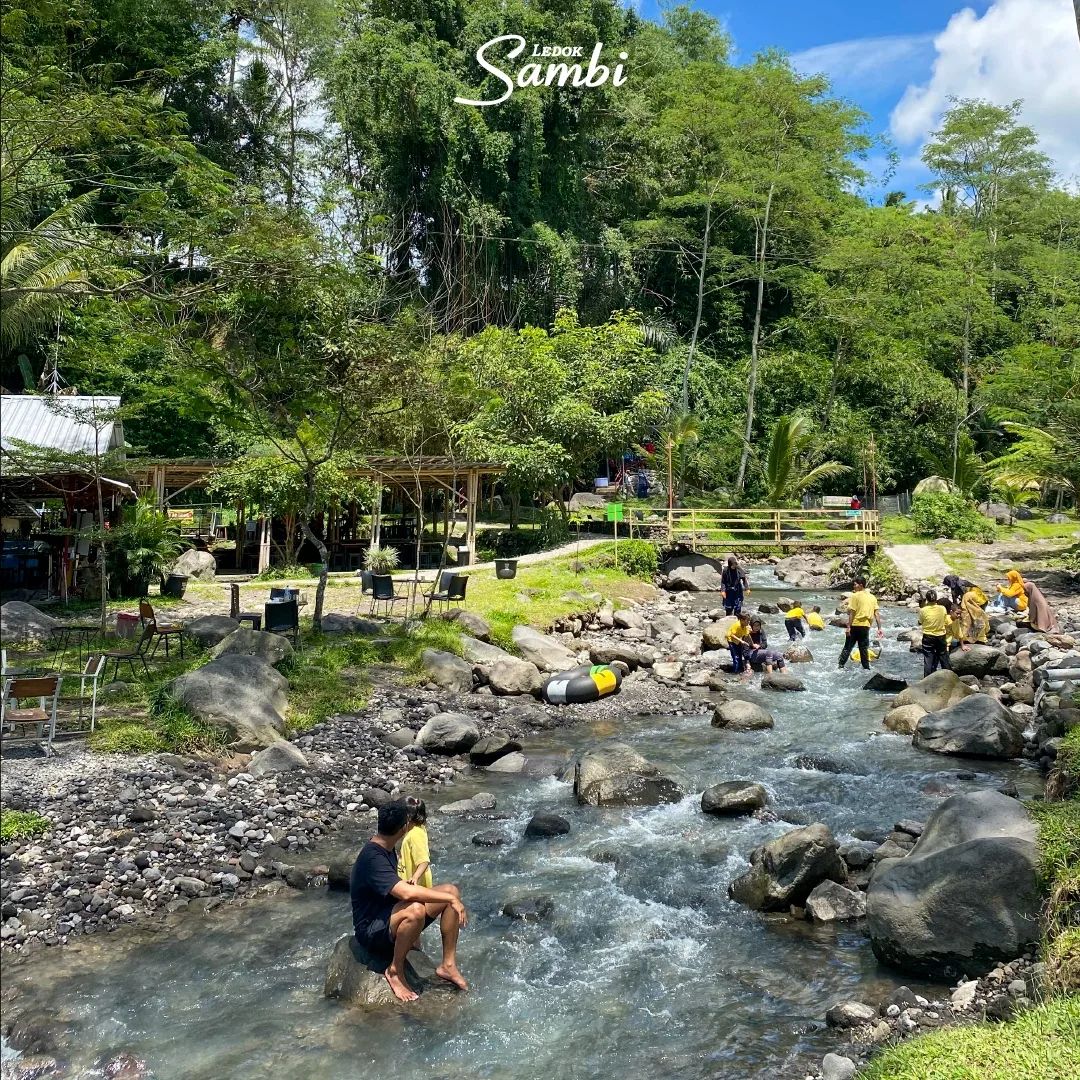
column 645, row 968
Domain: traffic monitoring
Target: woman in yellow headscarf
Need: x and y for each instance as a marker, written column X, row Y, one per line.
column 1013, row 595
column 973, row 620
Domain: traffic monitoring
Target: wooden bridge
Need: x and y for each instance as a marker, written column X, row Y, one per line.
column 711, row 530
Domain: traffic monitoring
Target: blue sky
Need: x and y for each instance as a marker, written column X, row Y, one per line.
column 900, row 62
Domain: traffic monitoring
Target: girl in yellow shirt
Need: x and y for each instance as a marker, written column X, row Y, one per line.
column 414, row 857
column 1013, row 595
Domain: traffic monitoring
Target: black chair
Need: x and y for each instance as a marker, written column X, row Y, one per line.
column 451, row 589
column 129, row 656
column 365, row 577
column 283, row 617
column 382, row 592
column 252, row 617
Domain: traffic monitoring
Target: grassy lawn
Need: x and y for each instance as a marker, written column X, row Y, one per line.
column 1041, row 1044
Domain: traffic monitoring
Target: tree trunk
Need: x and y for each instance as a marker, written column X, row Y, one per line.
column 965, row 374
column 697, row 318
column 324, row 556
column 104, row 582
column 834, row 379
column 755, row 342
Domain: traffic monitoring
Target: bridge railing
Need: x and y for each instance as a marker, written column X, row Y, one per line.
column 705, row 529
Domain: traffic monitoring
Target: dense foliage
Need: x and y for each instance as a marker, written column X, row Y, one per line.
column 275, row 233
column 949, row 514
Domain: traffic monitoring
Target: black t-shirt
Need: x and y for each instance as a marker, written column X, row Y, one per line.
column 374, row 875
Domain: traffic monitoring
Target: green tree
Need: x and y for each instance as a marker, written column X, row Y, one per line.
column 789, row 467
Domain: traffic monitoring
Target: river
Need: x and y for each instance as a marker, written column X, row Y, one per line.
column 645, row 968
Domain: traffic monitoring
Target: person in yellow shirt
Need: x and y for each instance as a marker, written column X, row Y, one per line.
column 976, row 624
column 793, row 620
column 934, row 623
column 414, row 856
column 862, row 609
column 740, row 643
column 1013, row 595
column 814, row 618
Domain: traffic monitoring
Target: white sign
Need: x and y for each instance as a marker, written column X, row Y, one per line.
column 551, row 74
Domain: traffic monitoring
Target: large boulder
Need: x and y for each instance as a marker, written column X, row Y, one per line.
column 514, row 676
column 694, row 573
column 473, row 624
column 885, row 684
column 199, row 565
column 733, row 797
column 208, row 630
column 334, row 622
column 616, row 775
column 273, row 648
column 492, row 747
column 714, row 634
column 243, row 695
column 355, row 976
column 481, row 652
column 904, row 719
column 544, row 651
column 666, row 625
column 784, row 871
column 586, row 500
column 978, row 726
column 966, row 897
column 781, row 680
column 739, row 715
column 935, row 691
column 449, row 733
column 23, row 624
column 980, row 660
column 608, row 652
column 281, row 756
column 831, row 902
column 447, row 671
column 932, row 484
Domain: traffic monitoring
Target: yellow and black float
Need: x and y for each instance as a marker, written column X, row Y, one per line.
column 588, row 683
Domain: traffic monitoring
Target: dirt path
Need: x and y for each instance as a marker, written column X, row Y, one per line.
column 918, row 562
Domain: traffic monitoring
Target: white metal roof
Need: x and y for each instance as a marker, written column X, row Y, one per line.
column 52, row 421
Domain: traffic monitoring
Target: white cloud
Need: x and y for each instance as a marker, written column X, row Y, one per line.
column 867, row 63
column 1025, row 49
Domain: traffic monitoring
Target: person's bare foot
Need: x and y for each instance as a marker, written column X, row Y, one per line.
column 399, row 986
column 450, row 973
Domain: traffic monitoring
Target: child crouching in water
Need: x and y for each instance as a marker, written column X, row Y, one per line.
column 741, row 644
column 814, row 619
column 414, row 857
column 793, row 620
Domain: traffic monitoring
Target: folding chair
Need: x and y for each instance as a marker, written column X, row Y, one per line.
column 283, row 617
column 91, row 673
column 382, row 592
column 161, row 632
column 46, row 688
column 252, row 617
column 131, row 655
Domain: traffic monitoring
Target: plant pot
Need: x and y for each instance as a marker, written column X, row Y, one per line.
column 174, row 585
column 505, row 569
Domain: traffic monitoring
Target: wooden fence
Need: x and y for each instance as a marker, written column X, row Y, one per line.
column 708, row 530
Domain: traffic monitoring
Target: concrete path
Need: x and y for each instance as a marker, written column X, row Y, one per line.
column 918, row 562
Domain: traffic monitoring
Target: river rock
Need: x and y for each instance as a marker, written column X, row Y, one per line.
column 447, row 671
column 401, row 737
column 979, row 660
column 739, row 715
column 686, row 645
column 478, row 803
column 474, row 625
column 626, row 619
column 273, row 648
column 781, row 680
column 693, row 573
column 544, row 651
column 849, row 1014
column 208, row 630
column 491, row 838
column 831, row 902
column 334, row 622
column 514, row 762
column 616, row 775
column 514, row 676
column 798, row 654
column 23, row 624
column 529, row 909
column 354, row 976
column 194, row 564
column 837, row 1067
column 768, row 609
column 482, row 652
column 885, row 684
column 936, row 691
column 978, row 726
column 610, row 652
column 968, row 894
column 666, row 625
column 243, row 695
column 449, row 733
column 492, row 747
column 668, row 670
column 281, row 756
column 714, row 634
column 542, row 826
column 904, row 719
column 785, row 870
column 733, row 797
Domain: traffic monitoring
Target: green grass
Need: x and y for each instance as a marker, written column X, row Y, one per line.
column 1059, row 868
column 22, row 824
column 1042, row 1043
column 883, row 575
column 898, row 529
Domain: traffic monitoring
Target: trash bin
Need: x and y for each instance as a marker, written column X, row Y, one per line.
column 463, row 554
column 127, row 625
column 506, row 568
column 174, row 585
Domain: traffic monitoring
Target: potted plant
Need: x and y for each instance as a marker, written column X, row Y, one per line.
column 141, row 548
column 506, row 568
column 382, row 560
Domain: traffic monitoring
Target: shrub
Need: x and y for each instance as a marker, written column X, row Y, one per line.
column 946, row 513
column 282, row 573
column 882, row 576
column 22, row 824
column 127, row 737
column 639, row 558
column 554, row 531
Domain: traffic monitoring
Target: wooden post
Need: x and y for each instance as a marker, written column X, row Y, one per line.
column 693, row 530
column 376, row 517
column 776, row 528
column 159, row 486
column 472, row 486
column 264, row 544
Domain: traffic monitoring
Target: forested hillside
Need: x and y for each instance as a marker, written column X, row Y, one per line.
column 271, row 226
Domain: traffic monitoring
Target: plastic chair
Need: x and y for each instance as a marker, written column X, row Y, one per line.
column 451, row 589
column 252, row 617
column 129, row 656
column 162, row 632
column 283, row 617
column 46, row 688
column 365, row 587
column 382, row 592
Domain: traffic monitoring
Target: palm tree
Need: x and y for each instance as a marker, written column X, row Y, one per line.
column 789, row 468
column 965, row 469
column 679, row 438
column 42, row 266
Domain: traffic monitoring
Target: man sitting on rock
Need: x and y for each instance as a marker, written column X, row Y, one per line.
column 390, row 914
